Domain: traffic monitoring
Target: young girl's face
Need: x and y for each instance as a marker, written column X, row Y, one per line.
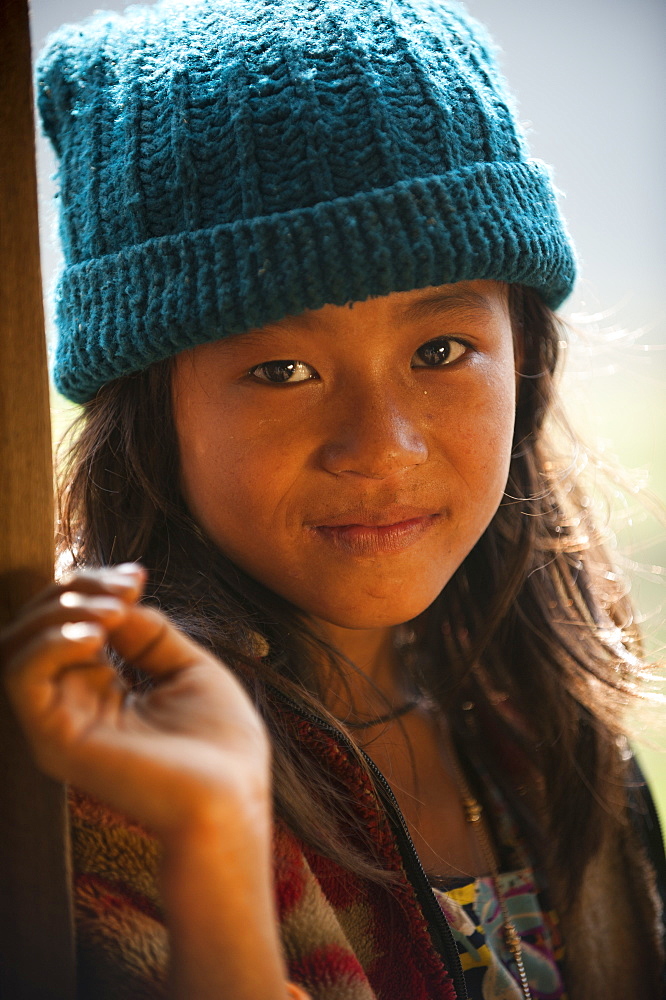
column 350, row 457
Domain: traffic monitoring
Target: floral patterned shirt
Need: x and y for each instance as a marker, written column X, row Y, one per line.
column 473, row 911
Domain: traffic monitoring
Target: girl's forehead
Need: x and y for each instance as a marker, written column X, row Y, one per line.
column 405, row 308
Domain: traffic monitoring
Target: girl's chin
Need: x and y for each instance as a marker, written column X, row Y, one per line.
column 357, row 602
column 361, row 619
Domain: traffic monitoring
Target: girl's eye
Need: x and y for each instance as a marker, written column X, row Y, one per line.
column 279, row 372
column 441, row 351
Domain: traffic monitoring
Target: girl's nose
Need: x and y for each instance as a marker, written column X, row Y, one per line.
column 375, row 437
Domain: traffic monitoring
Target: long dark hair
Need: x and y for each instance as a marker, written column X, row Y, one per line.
column 530, row 629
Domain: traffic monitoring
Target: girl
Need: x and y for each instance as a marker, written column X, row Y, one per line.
column 346, row 719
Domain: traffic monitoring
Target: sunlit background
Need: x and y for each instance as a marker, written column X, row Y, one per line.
column 590, row 80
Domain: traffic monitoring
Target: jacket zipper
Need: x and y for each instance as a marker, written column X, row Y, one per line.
column 437, row 923
column 426, row 897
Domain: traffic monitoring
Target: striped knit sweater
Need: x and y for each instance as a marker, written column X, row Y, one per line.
column 343, row 937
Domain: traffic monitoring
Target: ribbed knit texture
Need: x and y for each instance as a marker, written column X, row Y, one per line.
column 224, row 164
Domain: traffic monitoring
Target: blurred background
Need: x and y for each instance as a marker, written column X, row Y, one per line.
column 590, row 80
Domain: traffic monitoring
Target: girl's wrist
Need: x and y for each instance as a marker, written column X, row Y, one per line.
column 236, row 825
column 217, row 887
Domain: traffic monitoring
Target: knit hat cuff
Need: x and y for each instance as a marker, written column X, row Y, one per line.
column 120, row 313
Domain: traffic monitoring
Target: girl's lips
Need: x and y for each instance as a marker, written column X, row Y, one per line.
column 374, row 539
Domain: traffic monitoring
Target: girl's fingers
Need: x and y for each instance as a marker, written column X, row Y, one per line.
column 125, row 581
column 59, row 685
column 64, row 607
column 66, row 601
column 33, row 670
column 141, row 635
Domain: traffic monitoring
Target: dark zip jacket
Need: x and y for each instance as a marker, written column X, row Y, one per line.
column 348, row 938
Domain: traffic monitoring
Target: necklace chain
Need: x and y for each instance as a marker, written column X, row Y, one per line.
column 473, row 811
column 474, row 816
column 379, row 720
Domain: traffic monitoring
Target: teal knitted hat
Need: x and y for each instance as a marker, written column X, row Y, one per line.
column 225, row 163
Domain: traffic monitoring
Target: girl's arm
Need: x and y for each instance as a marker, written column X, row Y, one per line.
column 189, row 759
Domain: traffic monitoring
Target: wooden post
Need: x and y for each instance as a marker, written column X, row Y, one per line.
column 36, row 937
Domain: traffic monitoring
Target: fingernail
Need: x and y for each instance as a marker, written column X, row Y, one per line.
column 120, row 579
column 72, row 599
column 81, row 631
column 130, row 569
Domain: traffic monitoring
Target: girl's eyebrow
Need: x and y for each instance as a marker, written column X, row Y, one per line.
column 440, row 302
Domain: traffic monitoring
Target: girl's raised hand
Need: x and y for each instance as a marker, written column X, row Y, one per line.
column 189, row 758
column 190, row 745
